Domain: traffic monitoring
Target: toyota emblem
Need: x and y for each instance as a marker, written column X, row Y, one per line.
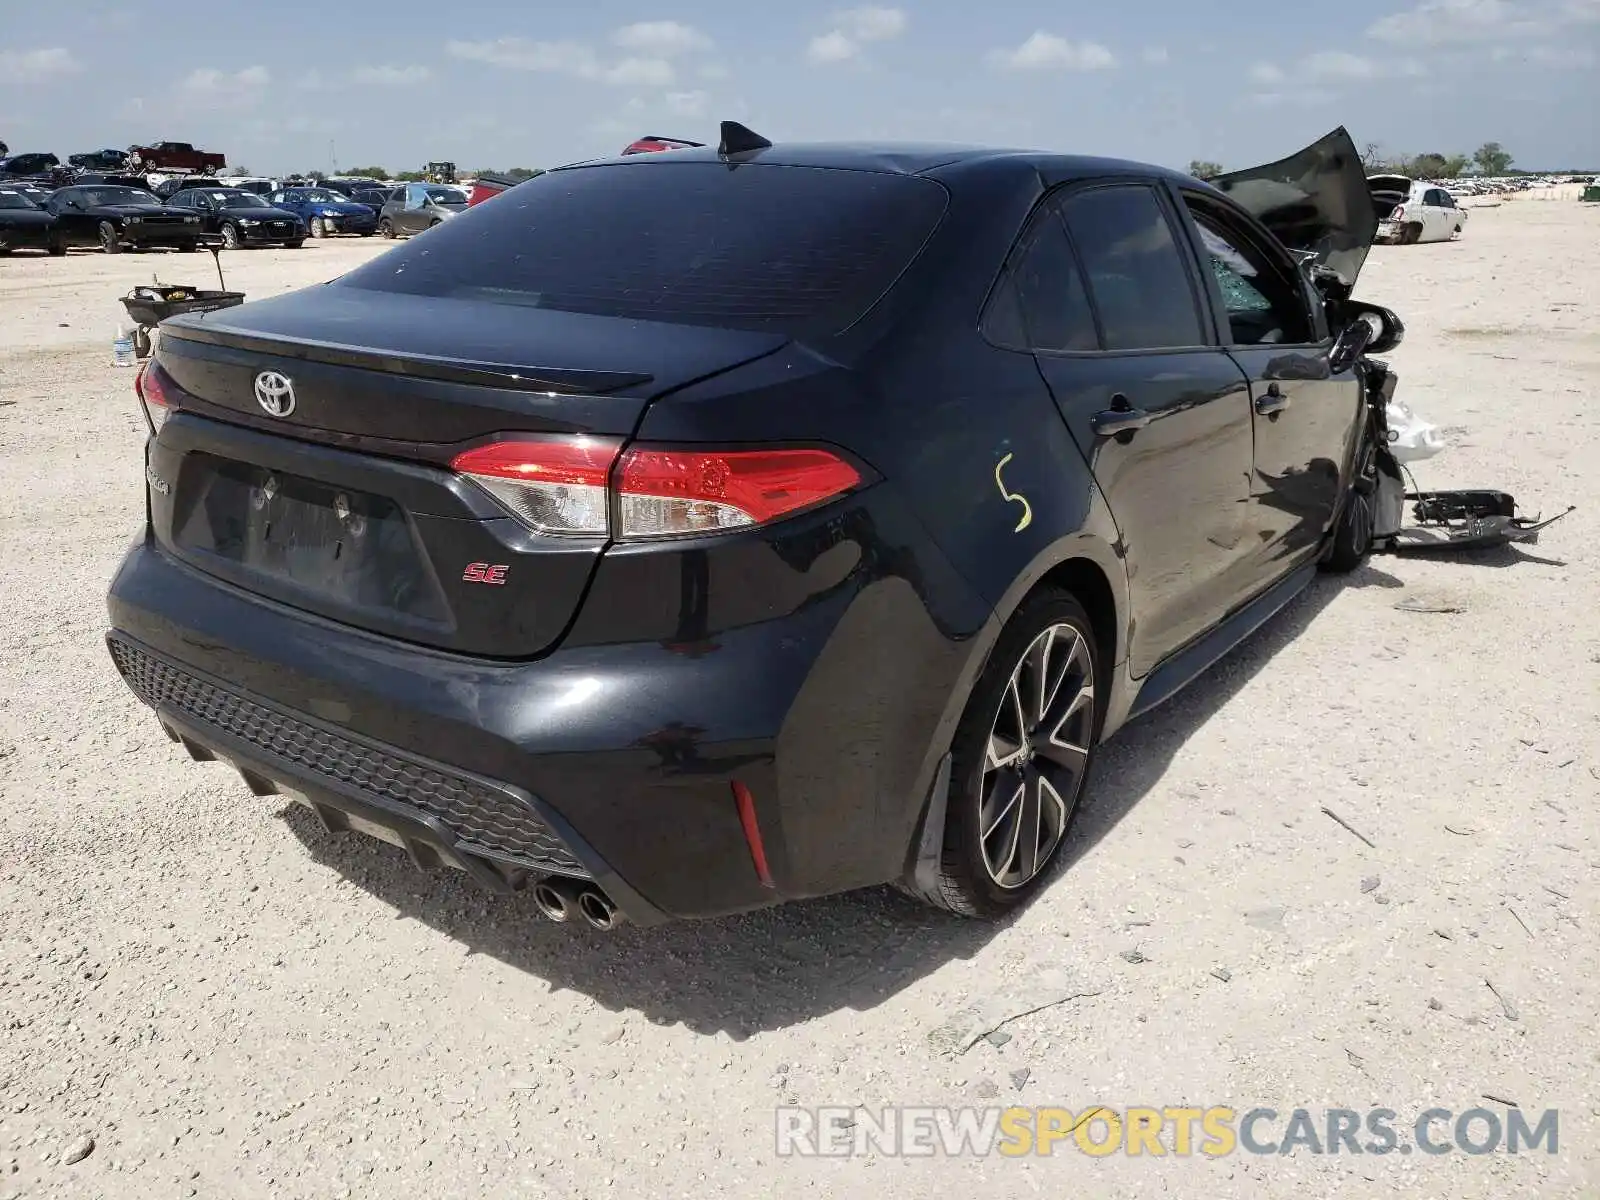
column 275, row 393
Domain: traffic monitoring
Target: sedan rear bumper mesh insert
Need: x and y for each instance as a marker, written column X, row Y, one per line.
column 485, row 820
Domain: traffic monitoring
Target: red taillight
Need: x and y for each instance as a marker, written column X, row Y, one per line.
column 566, row 485
column 553, row 485
column 154, row 397
column 1399, row 214
column 662, row 492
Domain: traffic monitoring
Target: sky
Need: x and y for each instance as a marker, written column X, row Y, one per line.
column 295, row 85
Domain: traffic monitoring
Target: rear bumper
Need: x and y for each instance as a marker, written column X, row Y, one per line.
column 601, row 761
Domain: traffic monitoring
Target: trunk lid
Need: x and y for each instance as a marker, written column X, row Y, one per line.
column 1316, row 200
column 345, row 506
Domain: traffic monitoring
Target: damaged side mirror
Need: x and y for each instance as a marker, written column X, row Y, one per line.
column 1369, row 329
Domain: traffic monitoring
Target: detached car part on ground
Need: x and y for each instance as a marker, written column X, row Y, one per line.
column 118, row 218
column 582, row 545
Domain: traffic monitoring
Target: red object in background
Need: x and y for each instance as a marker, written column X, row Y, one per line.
column 651, row 144
column 486, row 186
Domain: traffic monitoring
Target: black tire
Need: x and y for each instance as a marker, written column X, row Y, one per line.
column 230, row 236
column 57, row 250
column 386, row 227
column 318, row 229
column 141, row 342
column 188, row 247
column 1351, row 542
column 1412, row 234
column 969, row 883
column 108, row 238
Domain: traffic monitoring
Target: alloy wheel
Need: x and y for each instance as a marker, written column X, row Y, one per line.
column 1037, row 755
column 230, row 238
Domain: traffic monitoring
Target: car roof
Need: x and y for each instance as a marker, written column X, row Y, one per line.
column 898, row 158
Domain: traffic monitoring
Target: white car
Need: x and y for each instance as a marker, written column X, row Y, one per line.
column 1411, row 211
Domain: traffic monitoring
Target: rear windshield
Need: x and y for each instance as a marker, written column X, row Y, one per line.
column 797, row 250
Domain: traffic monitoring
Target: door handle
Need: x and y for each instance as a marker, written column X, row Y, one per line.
column 1273, row 403
column 1110, row 422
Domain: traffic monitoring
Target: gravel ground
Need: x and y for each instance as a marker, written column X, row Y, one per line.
column 230, row 1003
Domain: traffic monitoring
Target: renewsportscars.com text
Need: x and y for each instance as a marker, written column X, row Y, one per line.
column 1179, row 1131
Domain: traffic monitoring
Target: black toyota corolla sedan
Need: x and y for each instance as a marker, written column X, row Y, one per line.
column 685, row 533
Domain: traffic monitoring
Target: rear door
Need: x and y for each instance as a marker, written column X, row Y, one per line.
column 1305, row 418
column 1160, row 412
column 1441, row 215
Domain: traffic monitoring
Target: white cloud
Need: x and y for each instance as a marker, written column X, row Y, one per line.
column 1045, row 51
column 391, row 75
column 1561, row 58
column 661, row 39
column 713, row 71
column 688, row 104
column 872, row 24
column 566, row 58
column 35, row 66
column 853, row 28
column 211, row 81
column 831, row 48
column 1155, row 55
column 1336, row 64
column 1445, row 22
column 1265, row 72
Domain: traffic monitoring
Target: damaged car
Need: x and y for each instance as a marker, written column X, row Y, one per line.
column 718, row 528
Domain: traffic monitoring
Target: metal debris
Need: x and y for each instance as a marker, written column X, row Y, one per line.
column 1506, row 1006
column 1328, row 812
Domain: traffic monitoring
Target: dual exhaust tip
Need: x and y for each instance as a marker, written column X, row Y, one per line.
column 561, row 899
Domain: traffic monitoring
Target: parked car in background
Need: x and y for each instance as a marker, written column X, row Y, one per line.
column 785, row 576
column 1411, row 211
column 349, row 185
column 325, row 212
column 174, row 184
column 36, row 192
column 261, row 186
column 377, row 196
column 174, row 156
column 420, row 206
column 241, row 218
column 100, row 160
column 119, row 218
column 22, row 166
column 23, row 224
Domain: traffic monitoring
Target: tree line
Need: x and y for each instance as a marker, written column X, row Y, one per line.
column 518, row 173
column 1491, row 159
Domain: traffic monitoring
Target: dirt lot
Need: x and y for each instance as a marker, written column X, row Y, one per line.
column 233, row 1004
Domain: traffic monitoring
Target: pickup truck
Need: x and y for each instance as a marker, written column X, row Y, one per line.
column 174, row 157
column 1411, row 211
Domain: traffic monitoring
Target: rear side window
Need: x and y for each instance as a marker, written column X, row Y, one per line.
column 797, row 250
column 1136, row 273
column 1041, row 303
